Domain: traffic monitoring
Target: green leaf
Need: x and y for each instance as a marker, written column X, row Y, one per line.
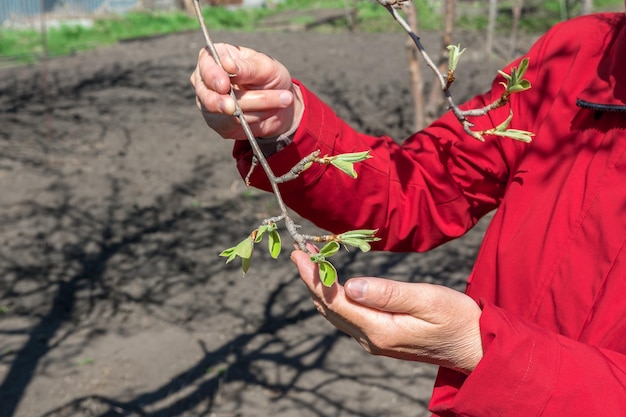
column 344, row 166
column 523, row 85
column 369, row 234
column 345, row 161
column 515, row 82
column 329, row 249
column 317, row 258
column 521, row 135
column 245, row 264
column 357, row 243
column 505, row 75
column 264, row 229
column 505, row 125
column 230, row 253
column 359, row 238
column 353, row 156
column 244, row 248
column 274, row 244
column 328, row 273
column 523, row 66
column 260, row 232
column 455, row 53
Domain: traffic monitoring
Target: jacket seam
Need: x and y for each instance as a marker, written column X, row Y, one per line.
column 610, row 171
column 523, row 379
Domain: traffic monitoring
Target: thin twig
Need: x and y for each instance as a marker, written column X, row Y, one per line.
column 445, row 80
column 290, row 225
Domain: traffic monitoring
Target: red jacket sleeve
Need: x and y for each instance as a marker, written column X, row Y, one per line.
column 529, row 371
column 432, row 188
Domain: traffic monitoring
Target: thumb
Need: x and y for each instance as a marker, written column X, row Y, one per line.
column 382, row 294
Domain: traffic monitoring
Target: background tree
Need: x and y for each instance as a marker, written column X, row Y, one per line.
column 436, row 102
column 491, row 27
column 516, row 11
column 587, row 7
column 417, row 79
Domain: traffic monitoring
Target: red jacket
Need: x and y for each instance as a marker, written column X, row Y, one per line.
column 551, row 273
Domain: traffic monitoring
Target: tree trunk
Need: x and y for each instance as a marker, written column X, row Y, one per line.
column 435, row 98
column 491, row 27
column 417, row 81
column 351, row 13
column 516, row 10
column 587, row 7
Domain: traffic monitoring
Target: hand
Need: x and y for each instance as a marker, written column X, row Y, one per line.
column 410, row 321
column 262, row 85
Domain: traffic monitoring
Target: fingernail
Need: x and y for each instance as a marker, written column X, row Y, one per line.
column 285, row 99
column 217, row 85
column 356, row 289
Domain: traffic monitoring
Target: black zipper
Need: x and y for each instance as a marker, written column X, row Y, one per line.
column 614, row 108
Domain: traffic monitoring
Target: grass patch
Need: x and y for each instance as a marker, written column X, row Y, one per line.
column 27, row 45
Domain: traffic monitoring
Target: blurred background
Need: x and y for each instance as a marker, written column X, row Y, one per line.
column 32, row 29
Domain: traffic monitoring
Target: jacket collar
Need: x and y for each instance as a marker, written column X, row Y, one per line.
column 607, row 91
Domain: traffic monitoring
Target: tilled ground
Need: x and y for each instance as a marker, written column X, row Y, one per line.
column 115, row 203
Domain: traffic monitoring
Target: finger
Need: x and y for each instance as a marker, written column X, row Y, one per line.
column 210, row 73
column 257, row 70
column 210, row 100
column 309, row 274
column 392, row 296
column 331, row 302
column 343, row 313
column 263, row 100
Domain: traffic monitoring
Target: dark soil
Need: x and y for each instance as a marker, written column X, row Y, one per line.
column 115, row 201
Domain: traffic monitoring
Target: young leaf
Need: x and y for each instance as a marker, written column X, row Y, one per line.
column 521, row 135
column 353, row 156
column 260, row 232
column 229, row 253
column 357, row 243
column 245, row 264
column 522, row 85
column 345, row 166
column 369, row 234
column 328, row 273
column 505, row 124
column 455, row 53
column 515, row 82
column 523, row 66
column 244, row 248
column 274, row 244
column 329, row 249
column 345, row 161
column 505, row 75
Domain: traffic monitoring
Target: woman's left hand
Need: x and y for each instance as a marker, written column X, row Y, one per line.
column 411, row 321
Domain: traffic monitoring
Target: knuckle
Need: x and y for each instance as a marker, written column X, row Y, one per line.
column 387, row 294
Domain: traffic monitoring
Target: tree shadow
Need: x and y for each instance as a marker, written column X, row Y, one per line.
column 74, row 266
column 80, row 264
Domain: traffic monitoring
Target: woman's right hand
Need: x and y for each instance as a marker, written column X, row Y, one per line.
column 269, row 100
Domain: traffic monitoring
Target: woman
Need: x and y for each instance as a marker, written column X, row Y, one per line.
column 541, row 328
